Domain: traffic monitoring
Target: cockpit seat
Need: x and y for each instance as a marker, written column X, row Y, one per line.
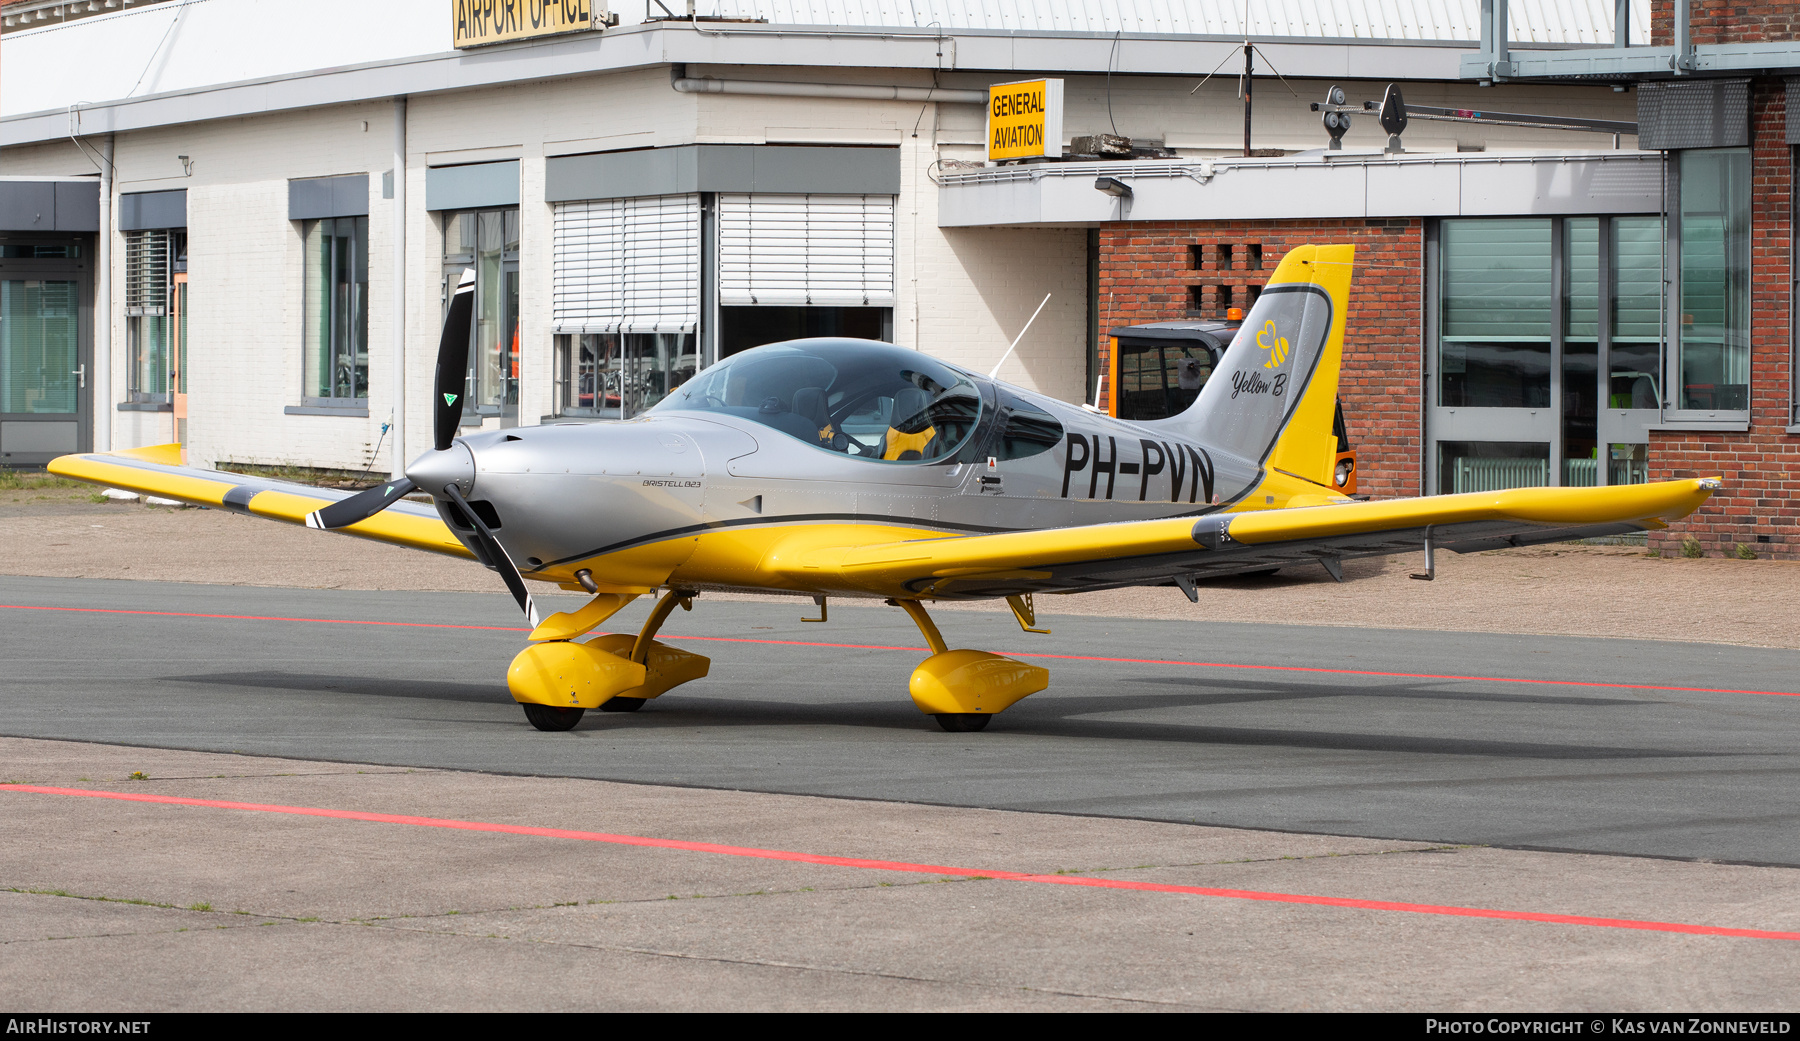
column 809, row 404
column 910, row 432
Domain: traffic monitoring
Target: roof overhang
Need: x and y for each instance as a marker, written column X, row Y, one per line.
column 1346, row 185
column 1630, row 63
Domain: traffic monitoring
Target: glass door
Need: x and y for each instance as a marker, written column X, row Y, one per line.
column 1546, row 345
column 1493, row 423
column 44, row 362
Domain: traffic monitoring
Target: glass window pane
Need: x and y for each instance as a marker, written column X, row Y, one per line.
column 316, row 308
column 1632, row 358
column 1581, row 351
column 181, row 336
column 1496, row 311
column 1630, row 464
column 1489, row 466
column 487, row 361
column 336, row 305
column 1715, row 279
column 358, row 345
column 150, row 357
column 1160, row 378
column 37, row 346
column 459, row 237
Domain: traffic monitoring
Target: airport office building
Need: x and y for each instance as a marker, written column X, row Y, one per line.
column 248, row 248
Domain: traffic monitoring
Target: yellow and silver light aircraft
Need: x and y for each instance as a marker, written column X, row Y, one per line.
column 850, row 468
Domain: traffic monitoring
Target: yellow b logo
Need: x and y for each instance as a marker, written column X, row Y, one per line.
column 1276, row 345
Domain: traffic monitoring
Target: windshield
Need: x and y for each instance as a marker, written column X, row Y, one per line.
column 859, row 397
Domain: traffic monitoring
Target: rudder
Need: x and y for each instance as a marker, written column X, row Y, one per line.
column 1273, row 396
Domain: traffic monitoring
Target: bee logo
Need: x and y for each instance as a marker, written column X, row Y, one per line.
column 1275, row 344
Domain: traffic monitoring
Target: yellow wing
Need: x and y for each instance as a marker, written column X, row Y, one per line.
column 1157, row 552
column 158, row 471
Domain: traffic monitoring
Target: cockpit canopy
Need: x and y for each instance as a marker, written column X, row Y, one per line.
column 859, row 397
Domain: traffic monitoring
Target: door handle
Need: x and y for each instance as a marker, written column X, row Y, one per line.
column 80, row 374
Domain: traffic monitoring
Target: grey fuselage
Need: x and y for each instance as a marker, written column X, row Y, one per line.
column 567, row 494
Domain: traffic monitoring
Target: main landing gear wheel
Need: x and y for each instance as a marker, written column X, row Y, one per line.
column 963, row 722
column 622, row 704
column 548, row 717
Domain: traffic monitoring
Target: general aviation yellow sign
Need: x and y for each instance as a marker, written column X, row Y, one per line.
column 475, row 23
column 1024, row 119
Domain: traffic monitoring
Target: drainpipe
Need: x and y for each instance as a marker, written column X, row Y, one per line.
column 868, row 92
column 100, row 395
column 399, row 320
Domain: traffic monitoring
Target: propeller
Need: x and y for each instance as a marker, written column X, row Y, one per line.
column 442, row 471
column 496, row 554
column 452, row 374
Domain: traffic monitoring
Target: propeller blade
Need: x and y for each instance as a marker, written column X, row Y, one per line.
column 497, row 553
column 361, row 506
column 453, row 361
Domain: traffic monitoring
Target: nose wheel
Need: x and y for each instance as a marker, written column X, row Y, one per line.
column 963, row 722
column 549, row 717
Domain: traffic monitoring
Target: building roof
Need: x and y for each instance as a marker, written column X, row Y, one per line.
column 175, row 62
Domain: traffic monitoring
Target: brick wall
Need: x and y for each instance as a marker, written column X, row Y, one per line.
column 1715, row 21
column 1148, row 273
column 1761, row 468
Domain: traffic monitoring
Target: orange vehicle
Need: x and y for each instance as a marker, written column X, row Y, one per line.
column 1157, row 370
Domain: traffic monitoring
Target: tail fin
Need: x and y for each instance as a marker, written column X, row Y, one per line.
column 1273, row 396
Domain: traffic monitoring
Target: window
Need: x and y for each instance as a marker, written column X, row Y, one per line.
column 1712, row 335
column 151, row 258
column 1025, row 431
column 336, row 293
column 1547, row 351
column 1494, row 350
column 488, row 241
column 618, row 375
column 1160, row 378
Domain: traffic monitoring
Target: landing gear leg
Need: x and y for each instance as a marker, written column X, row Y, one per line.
column 667, row 667
column 963, row 689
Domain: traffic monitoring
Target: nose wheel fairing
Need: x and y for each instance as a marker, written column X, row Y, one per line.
column 558, row 672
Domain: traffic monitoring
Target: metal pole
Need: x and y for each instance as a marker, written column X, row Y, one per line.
column 100, row 395
column 1249, row 66
column 1621, row 23
column 1502, row 28
column 398, row 450
column 1682, row 42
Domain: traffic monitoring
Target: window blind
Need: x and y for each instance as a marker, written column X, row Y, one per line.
column 820, row 250
column 146, row 273
column 1496, row 280
column 626, row 265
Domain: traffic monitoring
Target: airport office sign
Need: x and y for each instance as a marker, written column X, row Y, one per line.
column 1024, row 120
column 477, row 23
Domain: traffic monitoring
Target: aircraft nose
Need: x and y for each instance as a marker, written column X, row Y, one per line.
column 436, row 469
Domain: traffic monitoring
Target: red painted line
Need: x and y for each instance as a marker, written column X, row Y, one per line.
column 1017, row 654
column 790, row 856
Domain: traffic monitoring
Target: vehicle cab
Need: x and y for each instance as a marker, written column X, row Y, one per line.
column 1156, row 371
